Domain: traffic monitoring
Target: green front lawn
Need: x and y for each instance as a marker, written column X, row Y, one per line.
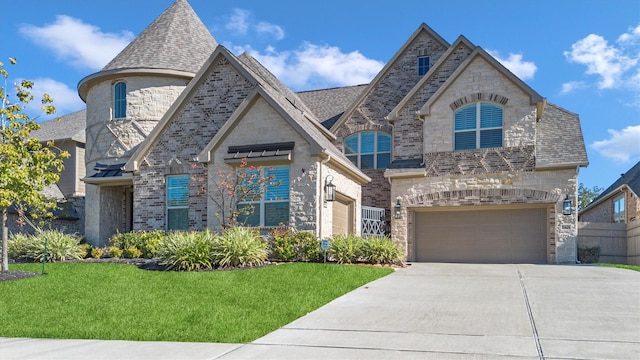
column 621, row 266
column 115, row 301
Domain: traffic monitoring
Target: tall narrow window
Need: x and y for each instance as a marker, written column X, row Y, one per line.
column 120, row 101
column 618, row 209
column 178, row 202
column 423, row 65
column 478, row 126
column 268, row 204
column 369, row 149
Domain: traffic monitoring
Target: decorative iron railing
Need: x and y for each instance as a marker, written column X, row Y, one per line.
column 374, row 222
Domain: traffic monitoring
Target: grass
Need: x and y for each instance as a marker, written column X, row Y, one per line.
column 621, row 266
column 115, row 301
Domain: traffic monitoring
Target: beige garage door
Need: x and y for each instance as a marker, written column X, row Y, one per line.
column 482, row 236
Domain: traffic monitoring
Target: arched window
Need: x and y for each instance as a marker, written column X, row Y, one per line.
column 369, row 149
column 120, row 100
column 478, row 126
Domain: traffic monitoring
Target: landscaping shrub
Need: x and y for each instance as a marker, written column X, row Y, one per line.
column 288, row 245
column 308, row 246
column 60, row 246
column 381, row 251
column 187, row 250
column 97, row 252
column 588, row 254
column 239, row 246
column 145, row 241
column 131, row 252
column 19, row 245
column 114, row 252
column 86, row 250
column 346, row 249
column 282, row 246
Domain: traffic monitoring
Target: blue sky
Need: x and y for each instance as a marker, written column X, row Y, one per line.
column 582, row 55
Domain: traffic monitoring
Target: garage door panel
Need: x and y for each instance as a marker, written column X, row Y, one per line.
column 501, row 236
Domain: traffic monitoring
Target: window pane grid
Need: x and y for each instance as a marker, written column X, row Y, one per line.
column 177, row 202
column 369, row 150
column 270, row 207
column 478, row 126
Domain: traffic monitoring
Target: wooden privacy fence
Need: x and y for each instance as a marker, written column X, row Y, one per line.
column 619, row 243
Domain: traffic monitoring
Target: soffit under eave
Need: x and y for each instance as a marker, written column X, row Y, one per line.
column 181, row 101
column 393, row 115
column 384, row 71
column 534, row 97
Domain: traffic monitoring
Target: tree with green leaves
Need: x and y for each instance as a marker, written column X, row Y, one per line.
column 586, row 195
column 26, row 165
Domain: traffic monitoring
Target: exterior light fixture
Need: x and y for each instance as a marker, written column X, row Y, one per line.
column 566, row 206
column 397, row 209
column 329, row 189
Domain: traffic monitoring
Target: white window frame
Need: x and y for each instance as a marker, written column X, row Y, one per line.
column 478, row 130
column 375, row 152
column 167, row 207
column 619, row 203
column 261, row 203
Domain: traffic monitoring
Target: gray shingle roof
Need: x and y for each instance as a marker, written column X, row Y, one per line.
column 329, row 104
column 69, row 127
column 559, row 138
column 176, row 40
column 631, row 178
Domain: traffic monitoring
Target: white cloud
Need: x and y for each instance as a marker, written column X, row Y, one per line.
column 241, row 23
column 271, row 29
column 610, row 62
column 571, row 86
column 621, row 145
column 65, row 98
column 316, row 66
column 238, row 21
column 525, row 70
column 83, row 45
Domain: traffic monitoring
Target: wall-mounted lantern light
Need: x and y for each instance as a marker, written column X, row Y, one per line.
column 566, row 206
column 329, row 189
column 397, row 209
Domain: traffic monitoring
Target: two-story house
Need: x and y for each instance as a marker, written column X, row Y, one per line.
column 468, row 162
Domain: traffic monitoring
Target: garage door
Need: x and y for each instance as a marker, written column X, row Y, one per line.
column 342, row 216
column 482, row 236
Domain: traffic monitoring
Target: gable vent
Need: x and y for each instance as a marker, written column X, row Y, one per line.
column 422, row 52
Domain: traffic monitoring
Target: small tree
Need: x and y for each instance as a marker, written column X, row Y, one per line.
column 230, row 188
column 586, row 195
column 26, row 166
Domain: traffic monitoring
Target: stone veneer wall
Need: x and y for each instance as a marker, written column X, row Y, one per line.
column 189, row 131
column 537, row 187
column 306, row 174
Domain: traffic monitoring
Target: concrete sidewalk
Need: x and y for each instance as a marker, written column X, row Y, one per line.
column 428, row 311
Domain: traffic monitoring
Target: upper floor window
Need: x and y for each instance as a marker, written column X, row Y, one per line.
column 423, row 65
column 177, row 202
column 618, row 209
column 264, row 203
column 369, row 149
column 120, row 101
column 478, row 126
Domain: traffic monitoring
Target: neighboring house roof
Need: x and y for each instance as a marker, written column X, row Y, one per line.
column 381, row 75
column 559, row 140
column 176, row 40
column 329, row 104
column 68, row 127
column 630, row 179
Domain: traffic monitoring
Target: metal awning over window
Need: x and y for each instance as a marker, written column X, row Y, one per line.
column 273, row 152
column 109, row 174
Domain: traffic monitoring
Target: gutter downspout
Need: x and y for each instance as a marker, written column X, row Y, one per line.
column 321, row 198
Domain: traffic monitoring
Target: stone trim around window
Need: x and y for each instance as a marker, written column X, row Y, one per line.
column 498, row 99
column 483, row 197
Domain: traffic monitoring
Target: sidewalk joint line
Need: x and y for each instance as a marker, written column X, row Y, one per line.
column 530, row 313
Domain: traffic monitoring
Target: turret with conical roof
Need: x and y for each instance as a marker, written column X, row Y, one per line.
column 125, row 101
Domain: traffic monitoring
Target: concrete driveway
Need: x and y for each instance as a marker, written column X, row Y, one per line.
column 428, row 311
column 462, row 311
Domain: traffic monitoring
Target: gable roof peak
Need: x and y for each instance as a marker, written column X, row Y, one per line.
column 176, row 40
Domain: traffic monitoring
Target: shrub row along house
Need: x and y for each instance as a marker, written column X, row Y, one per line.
column 446, row 151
